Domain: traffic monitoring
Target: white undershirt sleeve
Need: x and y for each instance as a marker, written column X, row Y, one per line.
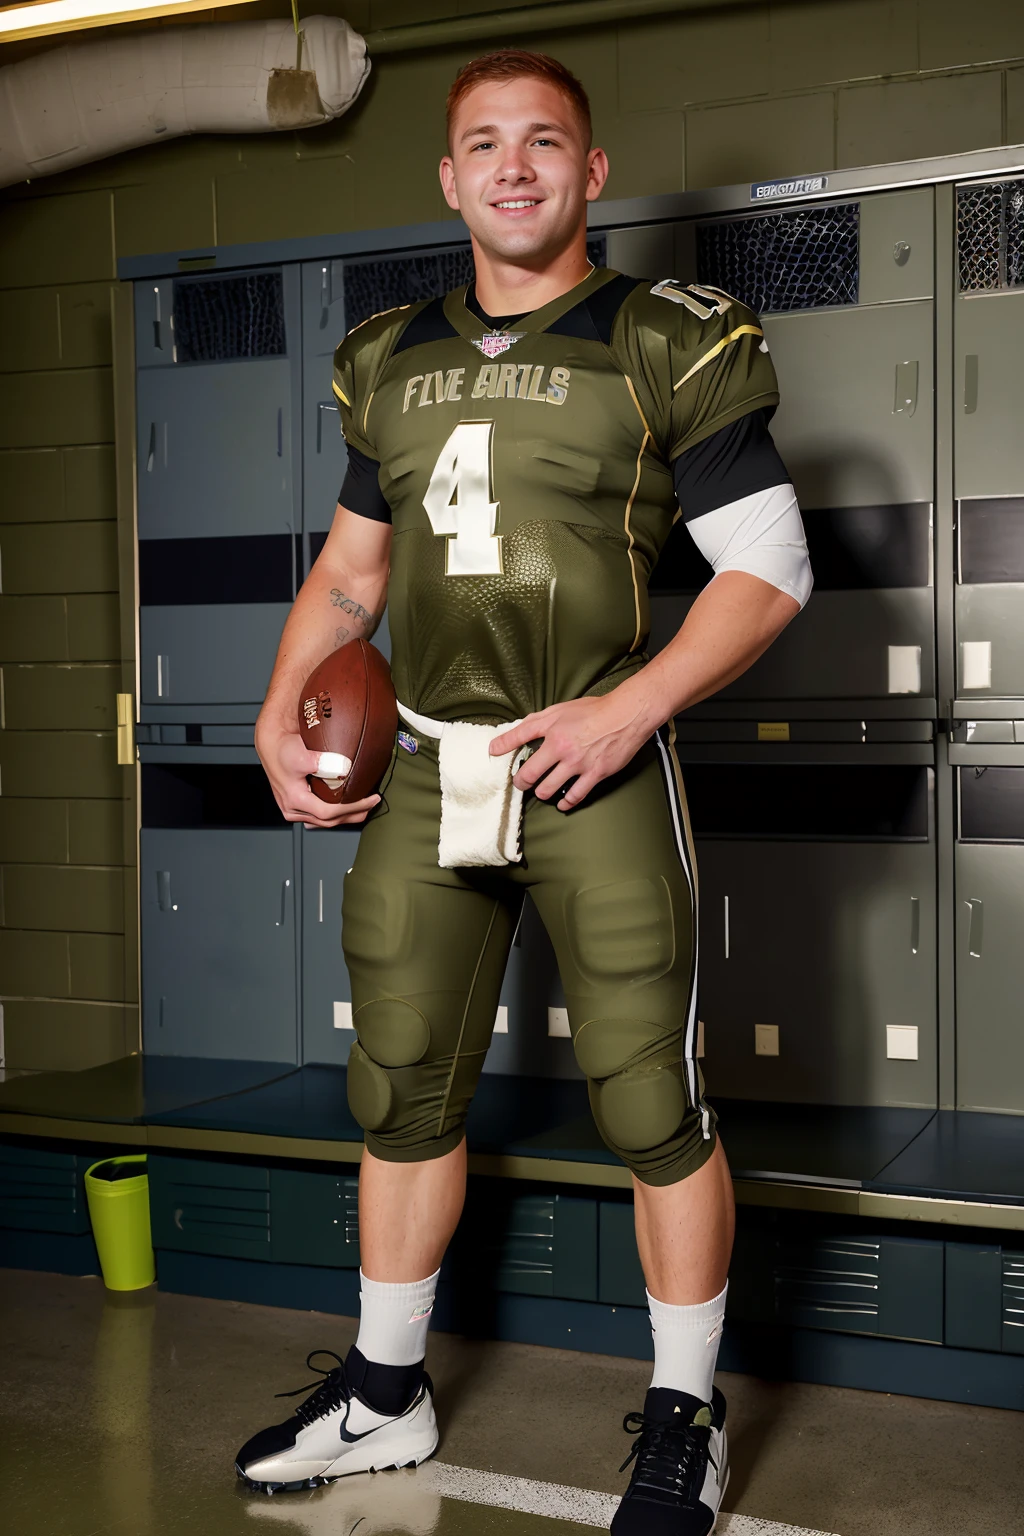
column 761, row 534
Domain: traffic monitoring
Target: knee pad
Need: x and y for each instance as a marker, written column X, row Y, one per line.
column 391, row 1033
column 622, row 932
column 636, row 1078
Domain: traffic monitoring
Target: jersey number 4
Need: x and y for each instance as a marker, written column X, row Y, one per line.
column 460, row 505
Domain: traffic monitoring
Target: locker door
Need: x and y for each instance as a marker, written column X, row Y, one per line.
column 323, row 447
column 990, row 922
column 214, row 449
column 989, row 478
column 218, row 943
column 327, row 1032
column 217, row 653
column 822, row 927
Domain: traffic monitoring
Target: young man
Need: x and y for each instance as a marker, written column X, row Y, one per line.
column 517, row 455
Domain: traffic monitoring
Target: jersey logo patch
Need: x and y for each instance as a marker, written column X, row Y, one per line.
column 497, row 342
column 699, row 300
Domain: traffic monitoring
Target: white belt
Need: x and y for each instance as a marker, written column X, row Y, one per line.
column 481, row 808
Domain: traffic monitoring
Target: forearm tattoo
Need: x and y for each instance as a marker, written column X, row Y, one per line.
column 363, row 617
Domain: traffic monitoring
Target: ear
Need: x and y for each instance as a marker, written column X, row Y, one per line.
column 446, row 171
column 597, row 173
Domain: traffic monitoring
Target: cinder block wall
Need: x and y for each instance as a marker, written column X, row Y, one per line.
column 679, row 101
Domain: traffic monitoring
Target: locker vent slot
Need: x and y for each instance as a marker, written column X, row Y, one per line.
column 253, row 568
column 374, row 286
column 207, row 795
column 991, row 540
column 219, row 318
column 991, row 805
column 803, row 803
column 805, row 258
column 829, row 1285
column 990, row 236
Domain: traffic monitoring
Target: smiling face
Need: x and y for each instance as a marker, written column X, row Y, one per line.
column 520, row 171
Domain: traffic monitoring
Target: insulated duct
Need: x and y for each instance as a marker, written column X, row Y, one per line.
column 82, row 102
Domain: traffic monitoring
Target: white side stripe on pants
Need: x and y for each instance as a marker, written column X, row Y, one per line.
column 686, row 858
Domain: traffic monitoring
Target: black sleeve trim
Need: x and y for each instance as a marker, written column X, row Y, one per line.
column 361, row 492
column 733, row 462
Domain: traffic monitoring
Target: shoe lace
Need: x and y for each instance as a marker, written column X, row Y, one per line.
column 328, row 1395
column 668, row 1456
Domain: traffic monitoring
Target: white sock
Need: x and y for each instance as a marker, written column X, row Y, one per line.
column 686, row 1341
column 394, row 1319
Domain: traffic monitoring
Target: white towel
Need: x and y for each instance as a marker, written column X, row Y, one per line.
column 481, row 809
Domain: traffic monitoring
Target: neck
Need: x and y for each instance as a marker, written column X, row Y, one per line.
column 505, row 288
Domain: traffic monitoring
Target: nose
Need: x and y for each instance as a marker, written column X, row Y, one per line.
column 514, row 167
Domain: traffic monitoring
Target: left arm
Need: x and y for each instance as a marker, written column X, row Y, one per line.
column 733, row 622
column 756, row 545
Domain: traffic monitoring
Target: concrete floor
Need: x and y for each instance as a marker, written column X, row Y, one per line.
column 120, row 1416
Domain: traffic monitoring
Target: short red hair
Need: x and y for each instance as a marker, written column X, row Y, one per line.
column 518, row 64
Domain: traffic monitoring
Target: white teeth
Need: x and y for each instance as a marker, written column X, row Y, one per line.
column 522, row 203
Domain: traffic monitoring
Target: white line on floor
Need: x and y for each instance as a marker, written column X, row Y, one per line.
column 559, row 1502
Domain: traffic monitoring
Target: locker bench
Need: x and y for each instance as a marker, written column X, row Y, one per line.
column 905, row 1164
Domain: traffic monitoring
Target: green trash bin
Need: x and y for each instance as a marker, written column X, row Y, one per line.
column 119, row 1210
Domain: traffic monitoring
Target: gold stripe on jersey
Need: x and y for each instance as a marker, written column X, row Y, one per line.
column 629, row 508
column 341, row 395
column 720, row 346
column 372, row 393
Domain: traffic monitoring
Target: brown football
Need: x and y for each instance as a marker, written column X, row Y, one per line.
column 348, row 707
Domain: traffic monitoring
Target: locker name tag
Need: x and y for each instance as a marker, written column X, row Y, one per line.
column 773, row 730
column 796, row 186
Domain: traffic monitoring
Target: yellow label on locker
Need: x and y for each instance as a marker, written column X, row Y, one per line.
column 773, row 730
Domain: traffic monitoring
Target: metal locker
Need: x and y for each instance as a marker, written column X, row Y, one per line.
column 851, row 335
column 218, row 942
column 323, row 447
column 988, row 322
column 989, row 883
column 817, row 931
column 327, row 1031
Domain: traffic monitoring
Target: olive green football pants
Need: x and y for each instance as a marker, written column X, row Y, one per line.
column 615, row 886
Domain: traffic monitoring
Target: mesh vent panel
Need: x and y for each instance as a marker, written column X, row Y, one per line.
column 373, row 286
column 990, row 236
column 802, row 259
column 218, row 318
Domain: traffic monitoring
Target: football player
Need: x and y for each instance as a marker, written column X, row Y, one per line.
column 518, row 453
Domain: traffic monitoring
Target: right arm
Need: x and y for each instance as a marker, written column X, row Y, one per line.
column 342, row 599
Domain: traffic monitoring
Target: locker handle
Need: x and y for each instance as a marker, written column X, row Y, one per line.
column 163, row 676
column 905, row 403
column 157, row 342
column 970, row 384
column 151, row 456
column 321, row 406
column 320, row 903
column 915, row 924
column 285, row 886
column 163, row 893
column 975, row 933
column 280, row 431
column 726, row 925
column 325, row 300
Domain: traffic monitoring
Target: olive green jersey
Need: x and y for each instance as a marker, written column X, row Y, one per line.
column 528, row 476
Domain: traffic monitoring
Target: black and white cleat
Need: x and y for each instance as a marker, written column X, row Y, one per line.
column 681, row 1466
column 334, row 1433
